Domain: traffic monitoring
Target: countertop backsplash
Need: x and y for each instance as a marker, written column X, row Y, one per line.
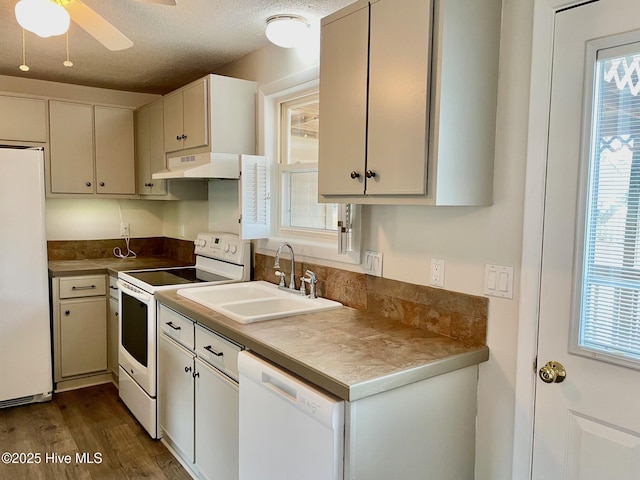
column 454, row 314
column 181, row 250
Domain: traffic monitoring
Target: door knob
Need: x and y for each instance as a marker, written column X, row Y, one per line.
column 553, row 372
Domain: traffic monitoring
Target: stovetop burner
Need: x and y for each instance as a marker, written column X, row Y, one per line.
column 176, row 276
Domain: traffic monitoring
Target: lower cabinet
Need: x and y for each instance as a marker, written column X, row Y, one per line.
column 176, row 394
column 113, row 339
column 80, row 312
column 216, row 423
column 197, row 404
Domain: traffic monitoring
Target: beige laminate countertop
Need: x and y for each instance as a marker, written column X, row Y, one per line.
column 349, row 353
column 113, row 265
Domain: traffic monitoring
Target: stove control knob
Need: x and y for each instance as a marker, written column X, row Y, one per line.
column 200, row 242
column 234, row 249
column 227, row 247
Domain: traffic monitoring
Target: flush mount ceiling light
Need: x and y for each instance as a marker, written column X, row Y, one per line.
column 287, row 31
column 45, row 18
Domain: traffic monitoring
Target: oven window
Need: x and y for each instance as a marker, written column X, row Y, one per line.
column 134, row 328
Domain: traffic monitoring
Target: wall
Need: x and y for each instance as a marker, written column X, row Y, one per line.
column 466, row 238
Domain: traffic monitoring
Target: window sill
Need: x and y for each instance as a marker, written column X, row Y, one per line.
column 309, row 249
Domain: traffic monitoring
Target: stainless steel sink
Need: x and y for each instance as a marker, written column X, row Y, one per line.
column 255, row 301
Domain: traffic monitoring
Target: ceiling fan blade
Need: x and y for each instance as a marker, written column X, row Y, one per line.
column 161, row 2
column 98, row 27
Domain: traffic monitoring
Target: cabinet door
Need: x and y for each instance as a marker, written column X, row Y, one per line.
column 112, row 338
column 23, row 119
column 83, row 336
column 173, row 128
column 399, row 68
column 216, row 424
column 143, row 151
column 343, row 104
column 195, row 111
column 157, row 160
column 115, row 158
column 175, row 395
column 71, row 147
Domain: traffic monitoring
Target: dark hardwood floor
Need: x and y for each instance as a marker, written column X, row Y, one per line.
column 79, row 426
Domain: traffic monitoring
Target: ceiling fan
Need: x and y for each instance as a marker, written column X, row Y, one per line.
column 93, row 23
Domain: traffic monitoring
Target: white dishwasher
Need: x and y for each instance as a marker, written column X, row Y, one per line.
column 288, row 428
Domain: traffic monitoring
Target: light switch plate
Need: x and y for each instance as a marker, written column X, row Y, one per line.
column 498, row 281
column 373, row 263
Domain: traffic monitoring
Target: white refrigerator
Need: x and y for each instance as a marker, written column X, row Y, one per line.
column 25, row 332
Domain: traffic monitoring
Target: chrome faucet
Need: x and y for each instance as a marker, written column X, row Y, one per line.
column 276, row 264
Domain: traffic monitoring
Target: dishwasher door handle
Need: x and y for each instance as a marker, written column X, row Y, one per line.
column 279, row 387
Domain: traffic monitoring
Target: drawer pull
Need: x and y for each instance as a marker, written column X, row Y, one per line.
column 83, row 287
column 175, row 327
column 211, row 350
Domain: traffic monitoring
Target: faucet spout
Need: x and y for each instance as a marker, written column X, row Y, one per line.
column 276, row 263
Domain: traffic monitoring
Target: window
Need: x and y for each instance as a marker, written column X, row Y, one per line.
column 610, row 312
column 300, row 212
column 289, row 134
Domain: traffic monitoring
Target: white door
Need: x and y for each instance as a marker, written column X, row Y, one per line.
column 588, row 426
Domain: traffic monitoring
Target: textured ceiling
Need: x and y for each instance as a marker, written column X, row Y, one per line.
column 172, row 45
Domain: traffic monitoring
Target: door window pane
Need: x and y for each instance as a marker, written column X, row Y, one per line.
column 610, row 311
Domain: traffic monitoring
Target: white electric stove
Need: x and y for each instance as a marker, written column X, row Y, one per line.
column 221, row 258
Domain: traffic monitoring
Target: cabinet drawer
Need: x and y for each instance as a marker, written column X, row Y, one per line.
column 85, row 286
column 218, row 351
column 176, row 326
column 113, row 287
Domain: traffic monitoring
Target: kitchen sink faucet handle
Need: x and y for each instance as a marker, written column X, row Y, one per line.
column 281, row 275
column 311, row 279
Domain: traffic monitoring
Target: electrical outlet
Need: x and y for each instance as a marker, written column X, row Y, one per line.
column 124, row 230
column 437, row 272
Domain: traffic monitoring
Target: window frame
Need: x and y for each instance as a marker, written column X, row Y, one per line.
column 270, row 96
column 582, row 223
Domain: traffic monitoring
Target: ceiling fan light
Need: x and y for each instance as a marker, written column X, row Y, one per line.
column 42, row 17
column 287, row 31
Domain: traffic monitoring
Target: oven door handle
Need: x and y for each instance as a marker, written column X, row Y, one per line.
column 143, row 297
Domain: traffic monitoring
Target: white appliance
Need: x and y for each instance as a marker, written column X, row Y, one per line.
column 288, row 428
column 25, row 333
column 220, row 258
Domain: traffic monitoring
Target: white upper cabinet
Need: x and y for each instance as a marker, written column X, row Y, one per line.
column 23, row 119
column 91, row 149
column 150, row 155
column 213, row 114
column 185, row 113
column 408, row 93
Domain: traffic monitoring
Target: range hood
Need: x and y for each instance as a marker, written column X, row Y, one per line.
column 201, row 165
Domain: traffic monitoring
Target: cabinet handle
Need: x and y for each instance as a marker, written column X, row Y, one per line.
column 117, row 314
column 355, row 174
column 67, row 312
column 196, row 374
column 370, row 174
column 184, row 137
column 83, row 287
column 88, row 184
column 102, row 184
column 151, row 184
column 211, row 350
column 173, row 326
column 187, row 369
column 178, row 137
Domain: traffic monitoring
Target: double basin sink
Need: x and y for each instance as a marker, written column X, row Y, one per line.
column 257, row 301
